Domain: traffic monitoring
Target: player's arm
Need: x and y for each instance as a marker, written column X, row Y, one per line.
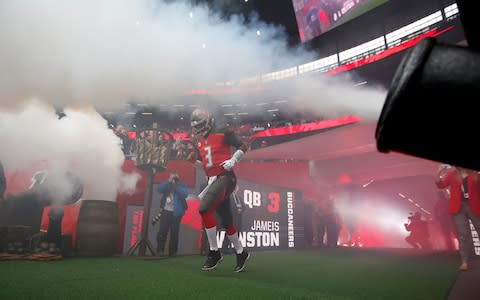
column 194, row 156
column 233, row 140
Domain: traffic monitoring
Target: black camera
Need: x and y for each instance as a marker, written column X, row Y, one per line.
column 174, row 177
column 156, row 218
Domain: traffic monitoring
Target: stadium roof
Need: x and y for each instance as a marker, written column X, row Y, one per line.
column 348, row 152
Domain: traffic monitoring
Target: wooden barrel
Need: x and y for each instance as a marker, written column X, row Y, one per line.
column 14, row 234
column 97, row 228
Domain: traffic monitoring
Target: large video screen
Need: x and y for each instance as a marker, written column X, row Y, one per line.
column 315, row 17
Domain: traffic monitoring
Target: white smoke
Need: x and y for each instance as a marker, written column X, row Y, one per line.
column 106, row 53
column 109, row 52
column 128, row 183
column 80, row 143
column 331, row 96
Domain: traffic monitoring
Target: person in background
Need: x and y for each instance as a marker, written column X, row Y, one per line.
column 463, row 205
column 320, row 223
column 213, row 143
column 328, row 222
column 3, row 182
column 54, row 231
column 126, row 144
column 179, row 149
column 419, row 236
column 444, row 219
column 3, row 202
column 173, row 205
column 333, row 222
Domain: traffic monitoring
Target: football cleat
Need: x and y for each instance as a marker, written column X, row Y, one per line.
column 241, row 261
column 213, row 259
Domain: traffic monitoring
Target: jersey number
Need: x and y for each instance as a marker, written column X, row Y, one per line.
column 274, row 205
column 208, row 156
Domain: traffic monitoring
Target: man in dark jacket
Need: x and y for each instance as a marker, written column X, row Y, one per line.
column 3, row 182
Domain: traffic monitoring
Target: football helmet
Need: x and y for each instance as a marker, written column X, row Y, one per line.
column 201, row 122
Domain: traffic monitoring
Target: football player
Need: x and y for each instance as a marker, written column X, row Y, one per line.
column 213, row 143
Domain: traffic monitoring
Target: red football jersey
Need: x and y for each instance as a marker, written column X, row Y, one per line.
column 213, row 150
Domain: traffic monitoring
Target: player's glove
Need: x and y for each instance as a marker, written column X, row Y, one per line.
column 230, row 163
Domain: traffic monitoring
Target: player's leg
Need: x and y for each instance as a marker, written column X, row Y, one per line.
column 463, row 231
column 224, row 210
column 210, row 201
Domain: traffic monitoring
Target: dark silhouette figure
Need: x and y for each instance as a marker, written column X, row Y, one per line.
column 419, row 237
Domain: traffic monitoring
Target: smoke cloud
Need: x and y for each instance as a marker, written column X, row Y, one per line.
column 106, row 53
column 87, row 56
column 80, row 143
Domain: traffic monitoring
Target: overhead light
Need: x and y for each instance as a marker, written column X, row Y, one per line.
column 147, row 113
column 190, row 14
column 360, row 83
column 130, row 113
column 273, row 109
column 368, row 183
column 227, row 105
column 242, row 113
column 259, row 32
column 261, row 103
column 426, row 211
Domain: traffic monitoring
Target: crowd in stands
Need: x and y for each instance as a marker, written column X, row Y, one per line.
column 179, row 150
column 182, row 146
